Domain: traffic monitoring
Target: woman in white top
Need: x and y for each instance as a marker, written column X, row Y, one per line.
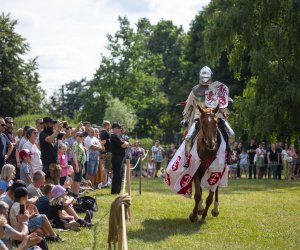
column 36, row 161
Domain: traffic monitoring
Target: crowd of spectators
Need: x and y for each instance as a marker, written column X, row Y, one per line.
column 44, row 169
column 274, row 161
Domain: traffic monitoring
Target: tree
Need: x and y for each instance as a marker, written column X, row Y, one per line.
column 20, row 91
column 268, row 33
column 121, row 113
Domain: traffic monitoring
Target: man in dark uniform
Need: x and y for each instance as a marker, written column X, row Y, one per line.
column 118, row 146
column 251, row 150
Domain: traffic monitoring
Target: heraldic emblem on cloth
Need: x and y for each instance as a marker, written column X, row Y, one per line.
column 181, row 170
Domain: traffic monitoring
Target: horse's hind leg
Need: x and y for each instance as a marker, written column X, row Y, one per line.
column 197, row 196
column 215, row 210
column 209, row 200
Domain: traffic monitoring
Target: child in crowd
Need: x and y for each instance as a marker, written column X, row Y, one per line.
column 244, row 159
column 63, row 161
column 60, row 219
column 26, row 171
column 150, row 168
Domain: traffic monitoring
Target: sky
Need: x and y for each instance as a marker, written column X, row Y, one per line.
column 69, row 36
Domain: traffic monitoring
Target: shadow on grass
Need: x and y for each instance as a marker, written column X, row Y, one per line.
column 160, row 229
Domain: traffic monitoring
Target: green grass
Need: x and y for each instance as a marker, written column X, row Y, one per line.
column 254, row 214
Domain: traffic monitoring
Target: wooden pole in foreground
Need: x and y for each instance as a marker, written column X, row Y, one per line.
column 122, row 242
column 124, row 236
column 141, row 167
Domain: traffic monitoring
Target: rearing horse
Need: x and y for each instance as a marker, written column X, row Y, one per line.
column 207, row 147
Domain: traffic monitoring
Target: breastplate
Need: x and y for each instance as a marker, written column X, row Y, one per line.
column 199, row 93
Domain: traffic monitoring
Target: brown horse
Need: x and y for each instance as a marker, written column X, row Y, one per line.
column 208, row 145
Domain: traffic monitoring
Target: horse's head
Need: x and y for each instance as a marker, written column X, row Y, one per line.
column 208, row 125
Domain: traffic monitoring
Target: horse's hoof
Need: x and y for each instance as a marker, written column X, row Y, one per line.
column 203, row 220
column 200, row 212
column 214, row 213
column 193, row 218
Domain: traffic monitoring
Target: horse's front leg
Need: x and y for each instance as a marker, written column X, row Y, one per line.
column 215, row 210
column 209, row 200
column 197, row 196
column 200, row 205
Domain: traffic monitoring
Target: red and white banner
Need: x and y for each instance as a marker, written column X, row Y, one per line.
column 181, row 170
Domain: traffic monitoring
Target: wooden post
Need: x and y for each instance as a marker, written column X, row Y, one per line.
column 124, row 232
column 141, row 167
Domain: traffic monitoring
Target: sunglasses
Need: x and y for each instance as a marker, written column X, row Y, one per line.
column 10, row 122
column 34, row 132
column 3, row 125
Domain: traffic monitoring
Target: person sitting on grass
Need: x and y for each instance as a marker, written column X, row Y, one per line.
column 28, row 241
column 60, row 219
column 26, row 171
column 150, row 168
column 9, row 196
column 36, row 222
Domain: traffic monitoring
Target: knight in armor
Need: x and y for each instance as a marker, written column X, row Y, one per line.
column 206, row 94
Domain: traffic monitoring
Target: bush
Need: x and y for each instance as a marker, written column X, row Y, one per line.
column 26, row 120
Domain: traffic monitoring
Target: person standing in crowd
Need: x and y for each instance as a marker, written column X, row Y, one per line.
column 79, row 159
column 279, row 160
column 272, row 162
column 18, row 137
column 236, row 152
column 6, row 147
column 244, row 159
column 171, row 152
column 86, row 126
column 136, row 153
column 118, row 146
column 93, row 147
column 105, row 138
column 260, row 161
column 10, row 135
column 36, row 161
column 286, row 159
column 63, row 162
column 292, row 153
column 39, row 129
column 49, row 147
column 239, row 151
column 251, row 150
column 69, row 140
column 26, row 171
column 24, row 138
column 97, row 133
column 157, row 156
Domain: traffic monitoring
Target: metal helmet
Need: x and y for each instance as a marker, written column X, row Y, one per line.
column 205, row 75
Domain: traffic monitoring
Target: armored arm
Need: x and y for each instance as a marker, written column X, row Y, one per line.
column 188, row 110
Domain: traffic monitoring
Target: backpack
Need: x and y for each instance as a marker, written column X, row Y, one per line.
column 86, row 203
